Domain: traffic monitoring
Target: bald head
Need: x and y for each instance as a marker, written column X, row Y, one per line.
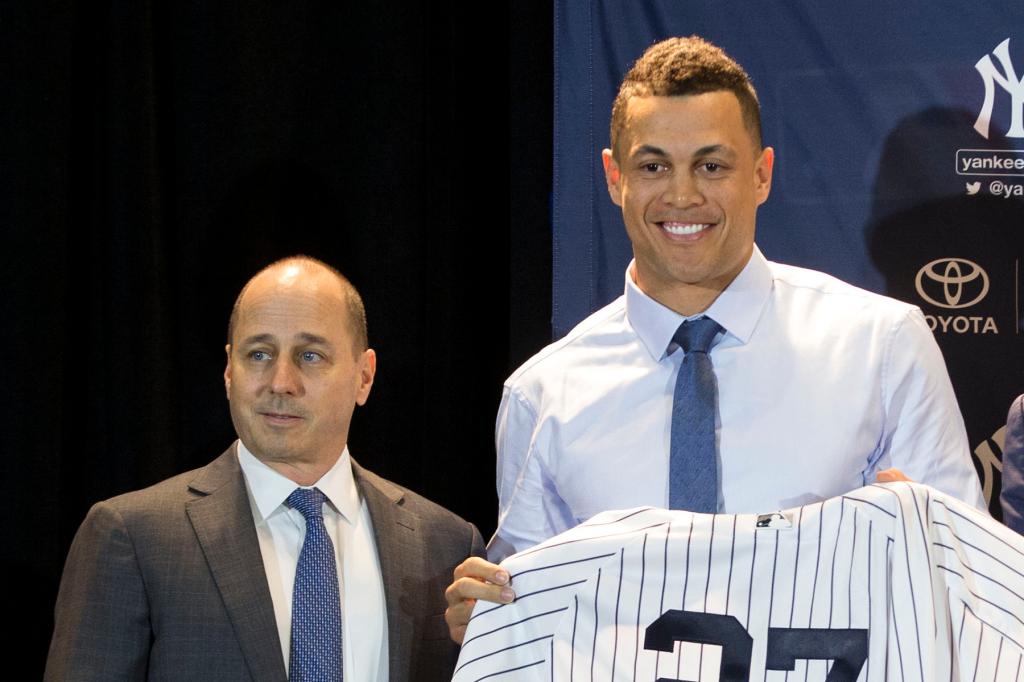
column 297, row 366
column 305, row 271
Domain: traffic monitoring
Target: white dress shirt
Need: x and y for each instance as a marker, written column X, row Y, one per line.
column 820, row 385
column 281, row 531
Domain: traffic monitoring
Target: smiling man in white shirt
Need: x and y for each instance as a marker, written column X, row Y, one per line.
column 821, row 387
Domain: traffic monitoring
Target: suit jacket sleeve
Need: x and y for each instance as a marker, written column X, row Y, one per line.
column 101, row 621
column 424, row 665
column 477, row 546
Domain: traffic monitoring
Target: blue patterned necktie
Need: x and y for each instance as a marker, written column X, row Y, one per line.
column 693, row 461
column 316, row 602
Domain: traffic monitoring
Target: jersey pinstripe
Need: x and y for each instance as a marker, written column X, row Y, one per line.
column 890, row 582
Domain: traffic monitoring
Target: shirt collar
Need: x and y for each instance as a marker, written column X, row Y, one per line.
column 268, row 489
column 737, row 308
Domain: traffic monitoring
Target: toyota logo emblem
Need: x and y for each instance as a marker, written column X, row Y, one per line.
column 960, row 282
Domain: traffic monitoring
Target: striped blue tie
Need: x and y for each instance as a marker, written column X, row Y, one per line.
column 693, row 460
column 316, row 603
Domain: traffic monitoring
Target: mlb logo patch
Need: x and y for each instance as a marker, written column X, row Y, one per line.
column 774, row 521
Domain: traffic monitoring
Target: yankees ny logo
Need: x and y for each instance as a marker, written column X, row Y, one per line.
column 1009, row 82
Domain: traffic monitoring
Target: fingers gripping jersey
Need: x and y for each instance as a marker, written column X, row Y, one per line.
column 891, row 582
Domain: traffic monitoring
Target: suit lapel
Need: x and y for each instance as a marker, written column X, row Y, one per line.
column 222, row 519
column 395, row 531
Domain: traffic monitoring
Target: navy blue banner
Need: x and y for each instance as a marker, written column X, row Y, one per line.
column 899, row 139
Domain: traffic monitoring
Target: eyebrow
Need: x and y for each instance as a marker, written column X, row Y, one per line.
column 715, row 149
column 649, row 149
column 306, row 337
column 257, row 338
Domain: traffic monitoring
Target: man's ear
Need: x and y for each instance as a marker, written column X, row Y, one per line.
column 763, row 174
column 367, row 369
column 612, row 176
column 227, row 370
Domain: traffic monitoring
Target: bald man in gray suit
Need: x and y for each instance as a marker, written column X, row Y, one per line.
column 189, row 579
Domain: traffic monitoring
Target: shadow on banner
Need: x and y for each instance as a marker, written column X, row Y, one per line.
column 950, row 242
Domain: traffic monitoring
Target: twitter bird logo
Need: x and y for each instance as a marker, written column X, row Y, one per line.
column 972, row 188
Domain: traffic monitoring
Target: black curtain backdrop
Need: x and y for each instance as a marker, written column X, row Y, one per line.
column 156, row 155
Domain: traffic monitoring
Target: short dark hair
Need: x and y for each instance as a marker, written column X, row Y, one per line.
column 353, row 301
column 686, row 66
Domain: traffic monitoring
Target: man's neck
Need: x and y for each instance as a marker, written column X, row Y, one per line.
column 300, row 472
column 685, row 299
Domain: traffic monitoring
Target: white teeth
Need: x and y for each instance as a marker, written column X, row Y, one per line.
column 684, row 228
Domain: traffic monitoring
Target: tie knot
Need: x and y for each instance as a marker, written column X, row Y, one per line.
column 309, row 502
column 696, row 335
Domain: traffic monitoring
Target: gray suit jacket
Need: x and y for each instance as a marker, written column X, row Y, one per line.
column 167, row 583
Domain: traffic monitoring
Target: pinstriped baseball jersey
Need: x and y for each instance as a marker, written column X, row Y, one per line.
column 889, row 582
